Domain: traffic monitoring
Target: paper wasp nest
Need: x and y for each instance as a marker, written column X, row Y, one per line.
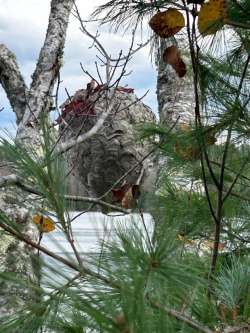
column 96, row 164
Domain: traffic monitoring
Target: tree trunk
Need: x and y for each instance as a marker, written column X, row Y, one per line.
column 28, row 105
column 175, row 95
column 98, row 162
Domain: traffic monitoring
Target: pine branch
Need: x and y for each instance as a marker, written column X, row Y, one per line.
column 229, row 169
column 181, row 317
column 120, row 12
column 220, row 200
column 83, row 270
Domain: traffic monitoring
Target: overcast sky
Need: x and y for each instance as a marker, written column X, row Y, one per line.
column 23, row 25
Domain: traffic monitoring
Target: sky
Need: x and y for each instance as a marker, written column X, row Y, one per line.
column 23, row 25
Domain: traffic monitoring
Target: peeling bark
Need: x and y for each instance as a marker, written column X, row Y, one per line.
column 175, row 95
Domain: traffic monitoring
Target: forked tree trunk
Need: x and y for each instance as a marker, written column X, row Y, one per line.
column 28, row 105
column 98, row 162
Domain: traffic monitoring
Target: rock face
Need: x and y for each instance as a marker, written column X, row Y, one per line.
column 96, row 164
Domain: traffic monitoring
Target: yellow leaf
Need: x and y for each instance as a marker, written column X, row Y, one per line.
column 44, row 223
column 210, row 245
column 187, row 152
column 185, row 240
column 212, row 16
column 167, row 23
column 210, row 140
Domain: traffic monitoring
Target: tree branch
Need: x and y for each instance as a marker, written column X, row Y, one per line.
column 8, row 180
column 238, row 329
column 12, row 81
column 67, row 145
column 73, row 266
column 181, row 317
column 13, row 179
column 97, row 202
column 49, row 61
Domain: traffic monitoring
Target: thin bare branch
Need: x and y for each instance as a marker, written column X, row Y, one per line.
column 181, row 317
column 14, row 180
column 97, row 202
column 67, row 145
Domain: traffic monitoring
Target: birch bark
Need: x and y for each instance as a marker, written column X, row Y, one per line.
column 28, row 105
column 175, row 95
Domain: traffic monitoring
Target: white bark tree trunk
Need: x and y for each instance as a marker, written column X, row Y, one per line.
column 28, row 105
column 175, row 95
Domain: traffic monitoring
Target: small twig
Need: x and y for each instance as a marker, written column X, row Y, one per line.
column 90, row 76
column 97, row 202
column 227, row 168
column 181, row 317
column 229, row 191
column 98, row 73
column 146, row 231
column 239, row 24
column 82, row 212
column 94, row 38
